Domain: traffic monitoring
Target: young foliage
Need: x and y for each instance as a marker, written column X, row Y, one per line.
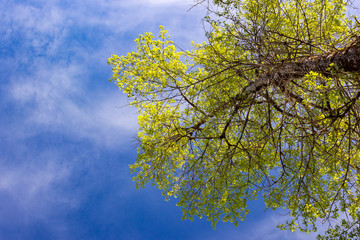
column 348, row 229
column 268, row 107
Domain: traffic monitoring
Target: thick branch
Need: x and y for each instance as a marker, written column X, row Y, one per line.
column 347, row 60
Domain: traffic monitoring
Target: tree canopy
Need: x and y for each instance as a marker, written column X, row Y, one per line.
column 268, row 107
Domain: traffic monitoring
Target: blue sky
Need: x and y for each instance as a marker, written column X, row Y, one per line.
column 65, row 140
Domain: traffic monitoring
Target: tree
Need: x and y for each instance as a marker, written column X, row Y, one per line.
column 268, row 106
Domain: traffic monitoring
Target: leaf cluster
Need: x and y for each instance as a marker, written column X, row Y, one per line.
column 267, row 107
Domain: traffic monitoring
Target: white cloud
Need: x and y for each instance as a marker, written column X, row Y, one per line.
column 39, row 27
column 57, row 100
column 48, row 17
column 55, row 93
column 28, row 181
column 264, row 228
column 164, row 2
column 36, row 19
column 32, row 184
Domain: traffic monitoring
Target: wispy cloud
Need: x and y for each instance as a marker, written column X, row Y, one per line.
column 32, row 185
column 54, row 89
column 33, row 192
column 164, row 2
column 266, row 229
column 57, row 100
column 52, row 18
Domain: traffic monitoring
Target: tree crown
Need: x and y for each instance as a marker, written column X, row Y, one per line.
column 268, row 106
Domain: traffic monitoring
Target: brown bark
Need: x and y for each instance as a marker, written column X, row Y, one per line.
column 347, row 60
